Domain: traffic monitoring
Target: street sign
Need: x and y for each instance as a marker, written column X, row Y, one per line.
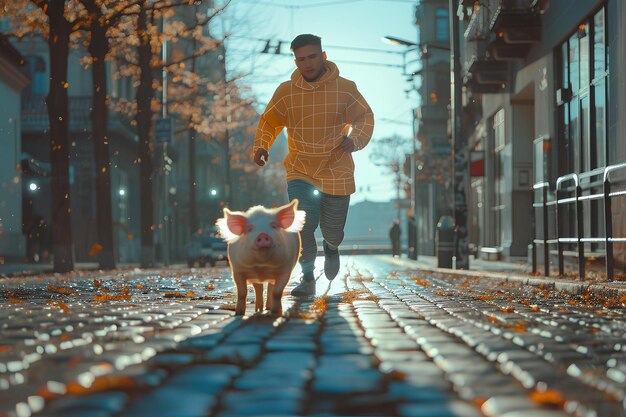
column 163, row 130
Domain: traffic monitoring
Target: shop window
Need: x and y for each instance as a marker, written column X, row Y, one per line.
column 581, row 98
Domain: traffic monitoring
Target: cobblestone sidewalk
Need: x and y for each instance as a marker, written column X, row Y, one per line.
column 380, row 340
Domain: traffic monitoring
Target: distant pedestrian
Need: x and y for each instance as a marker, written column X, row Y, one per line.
column 394, row 235
column 327, row 119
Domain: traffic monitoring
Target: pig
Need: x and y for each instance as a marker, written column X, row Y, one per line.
column 263, row 246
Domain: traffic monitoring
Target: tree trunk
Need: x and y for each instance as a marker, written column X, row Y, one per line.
column 58, row 112
column 193, row 214
column 98, row 48
column 144, row 122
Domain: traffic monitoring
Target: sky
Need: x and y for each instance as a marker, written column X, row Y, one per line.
column 351, row 32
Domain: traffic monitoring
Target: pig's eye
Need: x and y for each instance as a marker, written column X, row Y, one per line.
column 274, row 225
column 249, row 228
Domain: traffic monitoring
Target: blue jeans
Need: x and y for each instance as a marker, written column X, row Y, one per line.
column 324, row 210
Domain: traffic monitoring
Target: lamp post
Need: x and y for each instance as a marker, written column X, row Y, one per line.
column 412, row 225
column 461, row 177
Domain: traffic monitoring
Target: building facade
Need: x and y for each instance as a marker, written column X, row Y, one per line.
column 36, row 154
column 433, row 161
column 12, row 81
column 544, row 114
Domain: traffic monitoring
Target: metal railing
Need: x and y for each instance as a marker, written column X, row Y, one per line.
column 576, row 189
column 608, row 194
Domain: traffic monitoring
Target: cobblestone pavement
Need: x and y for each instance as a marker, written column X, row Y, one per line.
column 378, row 341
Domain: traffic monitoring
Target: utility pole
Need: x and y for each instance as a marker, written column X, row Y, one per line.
column 460, row 152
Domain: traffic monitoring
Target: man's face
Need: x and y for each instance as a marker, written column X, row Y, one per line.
column 310, row 61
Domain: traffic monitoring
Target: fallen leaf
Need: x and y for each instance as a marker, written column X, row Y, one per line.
column 59, row 290
column 109, row 297
column 547, row 397
column 95, row 249
column 421, row 282
column 177, row 294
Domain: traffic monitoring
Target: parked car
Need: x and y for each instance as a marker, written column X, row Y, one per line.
column 207, row 247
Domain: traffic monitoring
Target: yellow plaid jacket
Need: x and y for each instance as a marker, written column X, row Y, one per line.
column 317, row 115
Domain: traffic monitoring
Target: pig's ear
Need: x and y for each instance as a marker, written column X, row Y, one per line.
column 290, row 218
column 231, row 225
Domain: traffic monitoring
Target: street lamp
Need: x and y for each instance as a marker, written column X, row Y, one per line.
column 398, row 41
column 412, row 224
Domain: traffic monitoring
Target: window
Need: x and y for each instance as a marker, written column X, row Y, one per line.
column 498, row 177
column 36, row 69
column 442, row 25
column 582, row 71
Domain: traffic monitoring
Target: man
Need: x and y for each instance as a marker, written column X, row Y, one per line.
column 326, row 119
column 394, row 235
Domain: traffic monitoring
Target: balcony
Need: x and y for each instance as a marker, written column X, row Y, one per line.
column 35, row 116
column 35, row 113
column 517, row 26
column 483, row 74
column 502, row 51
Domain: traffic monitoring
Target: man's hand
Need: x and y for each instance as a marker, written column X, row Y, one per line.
column 261, row 157
column 348, row 145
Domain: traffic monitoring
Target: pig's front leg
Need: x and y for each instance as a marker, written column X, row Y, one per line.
column 270, row 289
column 242, row 295
column 277, row 295
column 258, row 297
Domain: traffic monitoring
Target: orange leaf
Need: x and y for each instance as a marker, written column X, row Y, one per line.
column 547, row 397
column 534, row 307
column 96, row 283
column 95, row 249
column 421, row 282
column 103, row 383
column 508, row 309
column 109, row 297
column 63, row 307
column 58, row 290
column 16, row 300
column 177, row 294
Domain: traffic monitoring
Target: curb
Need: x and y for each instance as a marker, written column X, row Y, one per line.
column 609, row 289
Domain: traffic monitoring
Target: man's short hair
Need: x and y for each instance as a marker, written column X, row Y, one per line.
column 305, row 39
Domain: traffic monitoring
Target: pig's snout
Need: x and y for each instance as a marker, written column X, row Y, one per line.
column 263, row 240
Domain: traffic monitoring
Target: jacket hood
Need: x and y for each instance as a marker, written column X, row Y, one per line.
column 331, row 74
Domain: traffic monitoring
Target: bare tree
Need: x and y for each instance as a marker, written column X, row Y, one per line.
column 389, row 152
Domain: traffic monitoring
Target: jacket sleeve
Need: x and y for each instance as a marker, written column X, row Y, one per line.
column 360, row 116
column 271, row 123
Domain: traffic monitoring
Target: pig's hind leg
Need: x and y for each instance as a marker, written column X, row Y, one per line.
column 258, row 297
column 242, row 296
